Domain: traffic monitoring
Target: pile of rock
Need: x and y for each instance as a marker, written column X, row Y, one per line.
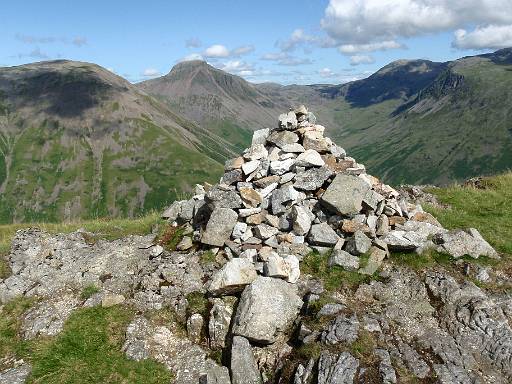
column 295, row 190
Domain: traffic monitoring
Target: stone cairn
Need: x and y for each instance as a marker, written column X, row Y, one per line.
column 294, row 191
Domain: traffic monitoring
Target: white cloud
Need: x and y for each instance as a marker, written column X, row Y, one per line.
column 380, row 46
column 296, row 39
column 193, row 42
column 492, row 36
column 150, row 72
column 192, row 56
column 361, row 59
column 283, row 58
column 243, row 50
column 237, row 67
column 220, row 51
column 216, row 50
column 361, row 22
column 326, row 73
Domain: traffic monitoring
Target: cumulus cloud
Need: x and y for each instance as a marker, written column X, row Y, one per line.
column 492, row 36
column 296, row 39
column 220, row 51
column 371, row 47
column 193, row 42
column 192, row 56
column 361, row 59
column 151, row 72
column 216, row 50
column 243, row 50
column 364, row 22
column 237, row 67
column 284, row 58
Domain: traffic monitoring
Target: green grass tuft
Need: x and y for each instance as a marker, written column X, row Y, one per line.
column 335, row 277
column 197, row 303
column 207, row 258
column 89, row 291
column 489, row 210
column 89, row 351
column 11, row 344
column 109, row 229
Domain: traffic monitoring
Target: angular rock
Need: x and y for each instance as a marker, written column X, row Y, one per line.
column 233, row 277
column 276, row 266
column 260, row 136
column 264, row 231
column 266, row 181
column 316, row 142
column 244, row 369
column 195, row 327
column 358, row 244
column 250, row 196
column 301, row 220
column 288, row 120
column 267, row 308
column 344, row 260
column 458, row 243
column 185, row 244
column 293, row 148
column 343, row 329
column 268, row 189
column 280, row 139
column 215, row 375
column 235, row 163
column 239, row 230
column 219, row 227
column 282, row 196
column 337, row 369
column 232, row 177
column 323, row 235
column 256, row 152
column 309, row 158
column 280, row 167
column 17, row 375
column 345, row 194
column 218, row 197
column 220, row 320
column 112, row 299
column 374, row 262
column 312, row 179
column 250, row 166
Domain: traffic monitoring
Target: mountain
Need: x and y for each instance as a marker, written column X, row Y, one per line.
column 79, row 141
column 413, row 121
column 225, row 104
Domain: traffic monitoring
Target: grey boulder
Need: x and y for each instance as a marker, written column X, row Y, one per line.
column 219, row 227
column 233, row 277
column 345, row 194
column 267, row 308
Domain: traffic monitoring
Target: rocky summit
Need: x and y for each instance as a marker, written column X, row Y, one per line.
column 244, row 295
column 294, row 191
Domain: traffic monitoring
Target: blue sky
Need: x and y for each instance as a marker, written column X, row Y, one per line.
column 300, row 41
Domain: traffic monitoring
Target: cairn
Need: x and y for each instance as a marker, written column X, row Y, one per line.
column 293, row 191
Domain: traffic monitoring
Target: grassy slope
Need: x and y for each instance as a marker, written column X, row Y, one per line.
column 472, row 131
column 52, row 173
column 88, row 350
